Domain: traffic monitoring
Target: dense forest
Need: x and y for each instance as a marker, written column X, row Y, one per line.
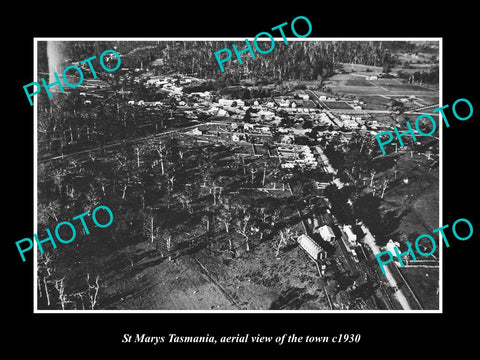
column 428, row 77
column 299, row 60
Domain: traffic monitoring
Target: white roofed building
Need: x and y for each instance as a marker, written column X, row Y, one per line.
column 326, row 233
column 352, row 238
column 310, row 246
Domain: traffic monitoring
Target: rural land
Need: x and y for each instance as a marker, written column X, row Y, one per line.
column 260, row 188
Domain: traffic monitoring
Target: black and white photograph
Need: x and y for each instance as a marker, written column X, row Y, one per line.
column 284, row 179
column 261, row 187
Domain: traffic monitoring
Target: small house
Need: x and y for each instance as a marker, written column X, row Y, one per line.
column 326, row 233
column 287, row 139
column 195, row 131
column 222, row 112
column 238, row 137
column 352, row 238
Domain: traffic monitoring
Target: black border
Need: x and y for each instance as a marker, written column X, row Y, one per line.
column 381, row 333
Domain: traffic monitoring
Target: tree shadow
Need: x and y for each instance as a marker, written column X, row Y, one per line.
column 330, row 249
column 131, row 292
column 288, row 248
column 292, row 298
column 144, row 265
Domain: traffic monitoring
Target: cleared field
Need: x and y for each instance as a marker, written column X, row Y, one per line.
column 376, row 99
column 358, row 81
column 358, row 90
column 427, row 100
column 352, row 84
column 355, row 84
column 404, row 87
column 168, row 286
column 424, row 283
column 214, row 280
column 384, row 119
column 337, row 105
column 375, row 102
column 427, row 207
column 362, row 68
column 382, row 81
column 418, row 202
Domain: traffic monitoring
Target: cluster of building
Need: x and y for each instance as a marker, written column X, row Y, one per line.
column 296, row 155
column 298, row 106
column 323, row 238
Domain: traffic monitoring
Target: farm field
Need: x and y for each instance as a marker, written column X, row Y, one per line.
column 337, row 105
column 358, row 81
column 353, row 84
column 362, row 69
column 404, row 87
column 376, row 102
